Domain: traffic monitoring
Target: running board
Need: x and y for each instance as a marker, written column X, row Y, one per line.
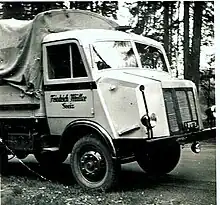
column 127, row 160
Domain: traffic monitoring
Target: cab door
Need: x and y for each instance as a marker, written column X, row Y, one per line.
column 68, row 85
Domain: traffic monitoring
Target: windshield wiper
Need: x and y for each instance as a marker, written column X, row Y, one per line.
column 101, row 65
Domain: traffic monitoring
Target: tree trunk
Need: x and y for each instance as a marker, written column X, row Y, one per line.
column 186, row 41
column 166, row 28
column 196, row 42
column 178, row 39
column 171, row 7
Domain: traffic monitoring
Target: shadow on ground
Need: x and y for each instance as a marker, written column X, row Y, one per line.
column 61, row 174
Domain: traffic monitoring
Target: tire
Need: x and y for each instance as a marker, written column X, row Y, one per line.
column 50, row 158
column 21, row 155
column 3, row 161
column 159, row 159
column 92, row 164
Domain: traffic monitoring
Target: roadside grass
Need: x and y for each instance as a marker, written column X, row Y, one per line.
column 133, row 189
column 24, row 191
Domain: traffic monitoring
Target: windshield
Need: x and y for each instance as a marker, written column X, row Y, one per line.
column 151, row 57
column 114, row 54
column 120, row 54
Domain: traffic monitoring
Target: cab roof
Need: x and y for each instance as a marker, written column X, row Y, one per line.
column 89, row 36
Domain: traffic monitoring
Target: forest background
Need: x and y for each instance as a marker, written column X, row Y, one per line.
column 186, row 29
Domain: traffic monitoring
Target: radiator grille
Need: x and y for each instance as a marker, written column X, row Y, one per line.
column 180, row 107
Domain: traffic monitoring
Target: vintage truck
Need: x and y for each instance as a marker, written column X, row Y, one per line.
column 75, row 83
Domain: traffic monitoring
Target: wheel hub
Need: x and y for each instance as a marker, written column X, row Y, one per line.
column 91, row 164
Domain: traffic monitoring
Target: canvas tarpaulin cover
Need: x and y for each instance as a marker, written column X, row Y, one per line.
column 20, row 43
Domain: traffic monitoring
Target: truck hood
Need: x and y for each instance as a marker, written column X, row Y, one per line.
column 122, row 98
column 131, row 74
column 148, row 74
column 143, row 76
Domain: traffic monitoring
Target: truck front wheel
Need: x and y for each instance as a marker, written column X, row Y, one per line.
column 92, row 164
column 159, row 159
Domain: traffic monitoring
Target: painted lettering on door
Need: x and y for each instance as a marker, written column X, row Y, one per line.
column 68, row 99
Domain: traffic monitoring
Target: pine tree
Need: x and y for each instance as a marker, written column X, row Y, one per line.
column 149, row 22
column 105, row 8
column 166, row 27
column 1, row 11
column 193, row 70
column 208, row 24
column 27, row 10
column 13, row 10
column 186, row 41
column 156, row 19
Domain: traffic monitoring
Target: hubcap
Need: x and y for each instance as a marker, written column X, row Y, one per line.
column 92, row 166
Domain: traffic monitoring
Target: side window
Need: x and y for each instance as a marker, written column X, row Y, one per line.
column 59, row 61
column 151, row 57
column 65, row 61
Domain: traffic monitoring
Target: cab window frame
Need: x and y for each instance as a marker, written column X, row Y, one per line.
column 48, row 80
column 160, row 48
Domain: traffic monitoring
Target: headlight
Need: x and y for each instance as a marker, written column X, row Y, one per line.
column 150, row 121
column 145, row 121
column 211, row 112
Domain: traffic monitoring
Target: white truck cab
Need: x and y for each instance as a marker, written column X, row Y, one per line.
column 107, row 97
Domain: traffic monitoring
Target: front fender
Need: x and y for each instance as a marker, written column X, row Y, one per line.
column 90, row 126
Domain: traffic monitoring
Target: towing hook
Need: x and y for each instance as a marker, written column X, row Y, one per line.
column 196, row 147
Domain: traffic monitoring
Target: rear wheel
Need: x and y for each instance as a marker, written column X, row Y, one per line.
column 50, row 158
column 21, row 155
column 3, row 160
column 92, row 164
column 160, row 158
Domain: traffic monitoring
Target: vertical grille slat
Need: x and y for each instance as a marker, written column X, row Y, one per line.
column 183, row 106
column 180, row 107
column 191, row 99
column 170, row 111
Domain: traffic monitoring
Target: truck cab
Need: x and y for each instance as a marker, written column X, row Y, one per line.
column 96, row 65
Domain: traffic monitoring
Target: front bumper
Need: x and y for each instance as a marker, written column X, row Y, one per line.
column 127, row 147
column 205, row 134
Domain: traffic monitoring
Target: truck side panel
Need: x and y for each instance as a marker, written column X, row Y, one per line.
column 14, row 103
